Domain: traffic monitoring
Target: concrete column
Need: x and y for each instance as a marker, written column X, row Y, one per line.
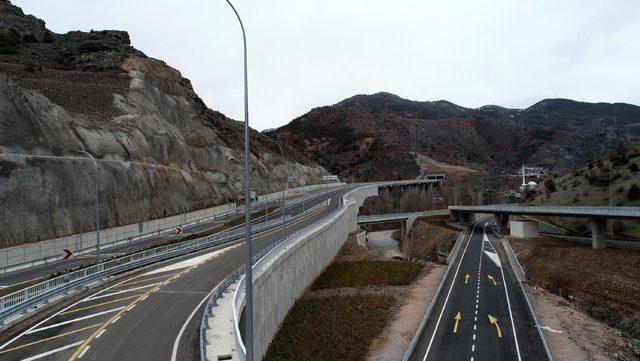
column 502, row 221
column 464, row 218
column 405, row 238
column 454, row 217
column 598, row 229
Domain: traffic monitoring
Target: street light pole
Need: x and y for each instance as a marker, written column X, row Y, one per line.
column 247, row 205
column 283, row 186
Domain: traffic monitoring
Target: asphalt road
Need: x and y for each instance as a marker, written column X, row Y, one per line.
column 44, row 270
column 481, row 313
column 150, row 316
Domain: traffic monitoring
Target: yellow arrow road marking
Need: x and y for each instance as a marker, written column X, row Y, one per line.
column 457, row 318
column 466, row 278
column 494, row 321
column 492, row 279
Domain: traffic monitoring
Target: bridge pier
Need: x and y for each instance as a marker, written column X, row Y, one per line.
column 454, row 217
column 502, row 221
column 598, row 229
column 404, row 243
column 465, row 218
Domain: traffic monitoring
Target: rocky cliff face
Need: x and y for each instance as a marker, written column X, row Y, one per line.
column 160, row 150
column 383, row 136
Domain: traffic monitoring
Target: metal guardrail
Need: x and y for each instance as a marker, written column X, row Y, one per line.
column 18, row 302
column 257, row 205
column 508, row 249
column 434, row 300
column 222, row 287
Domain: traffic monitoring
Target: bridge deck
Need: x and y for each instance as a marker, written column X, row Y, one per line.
column 561, row 211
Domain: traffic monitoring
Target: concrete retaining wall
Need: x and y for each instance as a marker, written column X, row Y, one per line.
column 52, row 249
column 524, row 228
column 284, row 274
column 31, row 254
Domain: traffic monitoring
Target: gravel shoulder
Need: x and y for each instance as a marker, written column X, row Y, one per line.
column 573, row 335
column 592, row 297
column 394, row 341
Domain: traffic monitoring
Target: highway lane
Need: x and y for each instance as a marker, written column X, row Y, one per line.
column 481, row 313
column 140, row 317
column 44, row 270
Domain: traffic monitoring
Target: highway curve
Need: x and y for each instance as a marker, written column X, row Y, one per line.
column 44, row 270
column 150, row 316
column 481, row 313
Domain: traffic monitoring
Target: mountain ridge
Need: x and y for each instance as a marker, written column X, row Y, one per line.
column 554, row 133
column 161, row 151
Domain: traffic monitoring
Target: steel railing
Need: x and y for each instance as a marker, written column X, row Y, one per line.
column 223, row 286
column 19, row 301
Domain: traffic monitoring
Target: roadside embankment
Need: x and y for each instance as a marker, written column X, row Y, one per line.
column 362, row 307
column 590, row 296
column 430, row 236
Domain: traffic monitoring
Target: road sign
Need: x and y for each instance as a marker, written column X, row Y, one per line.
column 330, row 177
column 178, row 231
column 290, row 178
column 67, row 253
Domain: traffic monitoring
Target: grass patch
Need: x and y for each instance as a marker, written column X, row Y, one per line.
column 367, row 273
column 330, row 328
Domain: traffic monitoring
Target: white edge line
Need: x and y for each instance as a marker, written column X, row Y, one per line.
column 84, row 351
column 96, row 294
column 51, row 352
column 174, row 352
column 455, row 276
column 65, row 309
column 121, row 291
column 74, row 320
column 513, row 325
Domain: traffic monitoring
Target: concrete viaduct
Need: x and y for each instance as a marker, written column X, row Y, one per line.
column 597, row 216
column 405, row 219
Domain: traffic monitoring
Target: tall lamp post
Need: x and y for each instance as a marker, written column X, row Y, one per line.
column 283, row 186
column 95, row 169
column 247, row 205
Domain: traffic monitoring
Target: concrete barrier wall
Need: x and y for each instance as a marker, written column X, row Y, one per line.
column 284, row 274
column 52, row 249
column 31, row 254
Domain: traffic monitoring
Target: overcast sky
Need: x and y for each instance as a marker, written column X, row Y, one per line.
column 305, row 54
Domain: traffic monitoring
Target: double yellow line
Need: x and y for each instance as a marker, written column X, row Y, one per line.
column 119, row 313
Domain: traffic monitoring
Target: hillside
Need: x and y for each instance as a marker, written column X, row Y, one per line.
column 383, row 136
column 589, row 185
column 160, row 150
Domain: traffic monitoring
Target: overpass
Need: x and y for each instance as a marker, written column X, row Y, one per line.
column 405, row 219
column 597, row 216
column 113, row 318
